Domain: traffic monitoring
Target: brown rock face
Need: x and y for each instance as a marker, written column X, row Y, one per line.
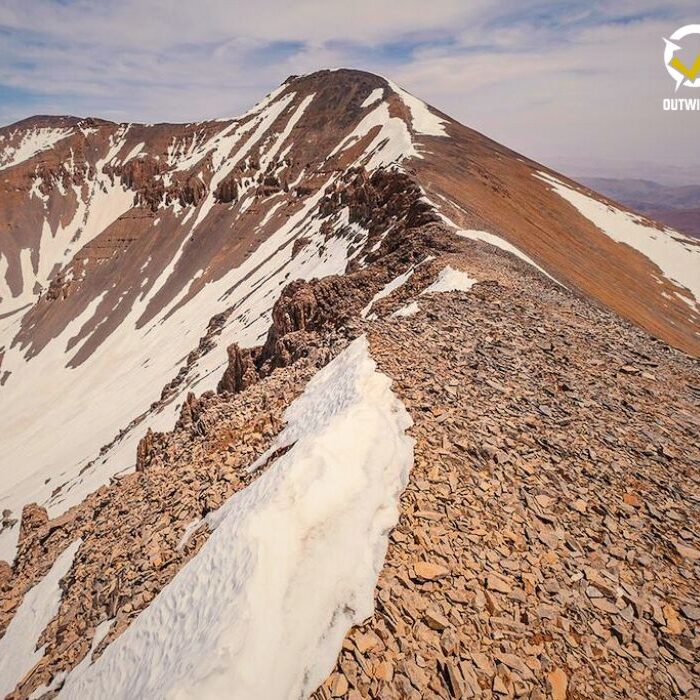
column 302, row 313
column 320, row 304
column 241, row 371
column 227, row 191
column 296, row 310
column 299, row 244
column 33, row 518
column 141, row 175
column 144, row 451
column 192, row 414
column 5, row 574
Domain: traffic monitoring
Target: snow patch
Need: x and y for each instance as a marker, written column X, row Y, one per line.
column 388, row 289
column 292, row 564
column 35, row 141
column 392, row 143
column 104, row 204
column 224, row 162
column 409, row 310
column 270, row 154
column 503, row 244
column 423, row 121
column 18, row 653
column 373, row 97
column 271, row 212
column 5, row 292
column 135, row 151
column 676, row 255
column 450, row 280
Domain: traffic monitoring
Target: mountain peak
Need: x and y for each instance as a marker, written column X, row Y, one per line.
column 339, row 75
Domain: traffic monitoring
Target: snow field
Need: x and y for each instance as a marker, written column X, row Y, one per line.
column 450, row 280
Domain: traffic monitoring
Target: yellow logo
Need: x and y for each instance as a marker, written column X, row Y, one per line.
column 688, row 76
column 690, row 73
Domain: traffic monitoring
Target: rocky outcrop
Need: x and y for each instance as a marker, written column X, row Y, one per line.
column 140, row 173
column 227, row 190
column 144, row 175
column 189, row 192
column 144, row 451
column 306, row 310
column 193, row 414
column 5, row 574
column 303, row 313
column 297, row 309
column 299, row 245
column 378, row 200
column 7, row 519
column 270, row 185
column 241, row 371
column 33, row 518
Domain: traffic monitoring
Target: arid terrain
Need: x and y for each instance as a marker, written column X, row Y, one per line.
column 344, row 384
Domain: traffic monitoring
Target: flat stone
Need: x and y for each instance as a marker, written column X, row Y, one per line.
column 338, row 685
column 681, row 677
column 428, row 571
column 687, row 552
column 691, row 612
column 496, row 583
column 558, row 683
column 436, row 620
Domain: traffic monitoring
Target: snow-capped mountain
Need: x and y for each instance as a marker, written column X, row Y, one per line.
column 147, row 271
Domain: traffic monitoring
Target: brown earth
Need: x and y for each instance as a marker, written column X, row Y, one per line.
column 482, row 185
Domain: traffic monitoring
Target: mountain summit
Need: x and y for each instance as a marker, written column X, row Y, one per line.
column 235, row 355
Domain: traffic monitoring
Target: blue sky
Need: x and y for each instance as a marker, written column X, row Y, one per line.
column 566, row 82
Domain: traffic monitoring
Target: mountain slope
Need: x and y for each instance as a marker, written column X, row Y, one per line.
column 156, row 330
column 675, row 206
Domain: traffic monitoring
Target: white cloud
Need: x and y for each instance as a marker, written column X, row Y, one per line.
column 598, row 95
column 552, row 79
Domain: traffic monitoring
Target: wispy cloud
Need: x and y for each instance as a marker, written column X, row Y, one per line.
column 552, row 79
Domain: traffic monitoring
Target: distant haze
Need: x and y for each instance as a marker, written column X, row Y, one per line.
column 664, row 173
